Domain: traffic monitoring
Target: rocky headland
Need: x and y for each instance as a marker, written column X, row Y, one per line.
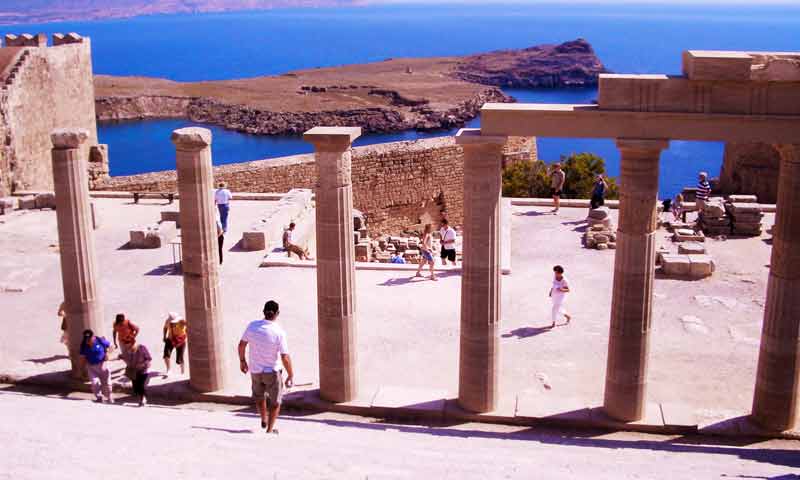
column 388, row 96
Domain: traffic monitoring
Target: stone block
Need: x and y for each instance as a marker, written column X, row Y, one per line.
column 685, row 235
column 660, row 252
column 701, row 266
column 153, row 236
column 411, row 256
column 28, row 202
column 612, row 245
column 714, row 208
column 356, row 238
column 709, row 65
column 601, row 213
column 7, row 204
column 383, row 257
column 602, row 246
column 254, row 240
column 45, row 200
column 171, row 216
column 601, row 238
column 742, row 198
column 676, row 265
column 363, row 252
column 691, row 248
column 744, row 208
column 363, row 234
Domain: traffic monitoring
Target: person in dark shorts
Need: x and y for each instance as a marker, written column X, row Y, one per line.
column 448, row 236
column 557, row 178
column 175, row 335
column 268, row 350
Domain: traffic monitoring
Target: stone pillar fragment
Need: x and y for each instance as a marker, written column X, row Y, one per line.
column 336, row 303
column 775, row 403
column 201, row 290
column 634, row 270
column 76, row 240
column 480, row 280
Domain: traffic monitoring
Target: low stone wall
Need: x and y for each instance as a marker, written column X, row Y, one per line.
column 396, row 185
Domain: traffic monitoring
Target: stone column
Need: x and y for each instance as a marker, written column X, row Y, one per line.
column 336, row 303
column 634, row 269
column 480, row 281
column 200, row 264
column 76, row 240
column 778, row 377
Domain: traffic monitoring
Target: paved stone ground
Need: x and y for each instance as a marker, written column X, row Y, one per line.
column 408, row 329
column 57, row 437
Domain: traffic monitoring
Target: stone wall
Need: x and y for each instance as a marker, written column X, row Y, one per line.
column 397, row 186
column 43, row 88
column 752, row 169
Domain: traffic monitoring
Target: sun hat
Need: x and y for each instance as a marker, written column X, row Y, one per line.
column 174, row 317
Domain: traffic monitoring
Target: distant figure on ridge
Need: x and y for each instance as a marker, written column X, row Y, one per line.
column 267, row 341
column 292, row 247
column 557, row 178
column 558, row 293
column 94, row 353
column 426, row 252
column 125, row 331
column 222, row 197
column 137, row 366
column 448, row 236
column 599, row 192
column 703, row 191
column 175, row 335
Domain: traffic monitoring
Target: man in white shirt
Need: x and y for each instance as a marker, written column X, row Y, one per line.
column 267, row 340
column 222, row 197
column 558, row 292
column 448, row 236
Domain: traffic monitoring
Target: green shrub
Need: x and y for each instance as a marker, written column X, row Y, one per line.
column 532, row 179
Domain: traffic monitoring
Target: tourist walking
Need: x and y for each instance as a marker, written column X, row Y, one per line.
column 175, row 334
column 448, row 236
column 558, row 293
column 599, row 192
column 94, row 353
column 291, row 247
column 125, row 333
column 222, row 197
column 557, row 179
column 137, row 368
column 703, row 191
column 268, row 350
column 426, row 252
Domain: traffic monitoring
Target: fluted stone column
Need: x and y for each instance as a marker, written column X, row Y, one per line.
column 76, row 240
column 778, row 377
column 336, row 303
column 634, row 269
column 201, row 290
column 480, row 281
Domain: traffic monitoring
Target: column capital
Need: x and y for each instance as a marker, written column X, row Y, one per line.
column 68, row 138
column 332, row 139
column 191, row 139
column 643, row 144
column 472, row 137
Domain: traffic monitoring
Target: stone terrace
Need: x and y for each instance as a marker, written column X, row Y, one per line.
column 408, row 328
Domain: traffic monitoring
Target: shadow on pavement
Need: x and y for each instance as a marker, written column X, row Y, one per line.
column 46, row 360
column 527, row 332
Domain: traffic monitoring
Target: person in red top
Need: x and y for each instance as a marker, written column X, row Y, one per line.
column 125, row 333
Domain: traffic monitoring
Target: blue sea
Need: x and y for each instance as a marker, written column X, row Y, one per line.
column 627, row 38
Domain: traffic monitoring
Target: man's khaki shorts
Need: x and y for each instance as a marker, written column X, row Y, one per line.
column 269, row 386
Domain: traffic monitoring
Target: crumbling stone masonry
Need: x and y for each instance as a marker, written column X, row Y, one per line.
column 396, row 185
column 42, row 88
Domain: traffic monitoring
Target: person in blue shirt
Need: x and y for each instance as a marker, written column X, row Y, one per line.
column 397, row 259
column 94, row 353
column 599, row 192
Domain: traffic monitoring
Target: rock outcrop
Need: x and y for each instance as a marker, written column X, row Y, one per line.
column 751, row 168
column 388, row 96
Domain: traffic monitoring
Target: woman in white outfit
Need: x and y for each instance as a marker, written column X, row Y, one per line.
column 558, row 293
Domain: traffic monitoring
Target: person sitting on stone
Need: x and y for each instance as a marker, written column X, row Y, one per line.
column 599, row 192
column 677, row 207
column 292, row 247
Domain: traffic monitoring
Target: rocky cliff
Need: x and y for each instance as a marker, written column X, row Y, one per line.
column 388, row 96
